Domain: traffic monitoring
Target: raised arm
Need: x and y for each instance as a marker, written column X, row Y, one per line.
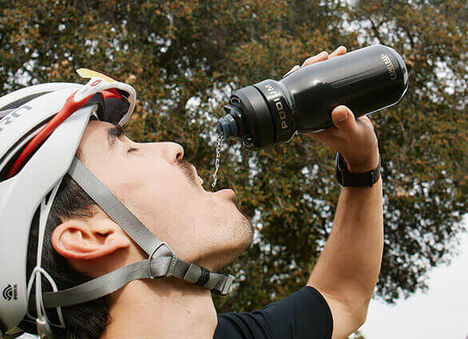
column 348, row 268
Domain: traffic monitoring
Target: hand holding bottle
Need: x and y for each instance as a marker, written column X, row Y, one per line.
column 354, row 138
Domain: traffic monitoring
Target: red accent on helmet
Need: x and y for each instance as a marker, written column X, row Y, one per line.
column 68, row 109
column 96, row 82
column 111, row 93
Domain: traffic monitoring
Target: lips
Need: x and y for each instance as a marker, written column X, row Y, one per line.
column 195, row 174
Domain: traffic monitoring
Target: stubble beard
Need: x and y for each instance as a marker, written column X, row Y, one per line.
column 242, row 228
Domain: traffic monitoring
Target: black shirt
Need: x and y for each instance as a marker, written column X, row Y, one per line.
column 303, row 314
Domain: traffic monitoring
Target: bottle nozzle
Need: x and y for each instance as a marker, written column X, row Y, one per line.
column 227, row 127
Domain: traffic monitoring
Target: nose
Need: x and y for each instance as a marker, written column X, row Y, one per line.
column 172, row 151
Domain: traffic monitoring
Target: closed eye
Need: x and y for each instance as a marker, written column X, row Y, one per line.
column 132, row 150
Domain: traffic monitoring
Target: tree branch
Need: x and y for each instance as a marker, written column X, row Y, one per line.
column 375, row 29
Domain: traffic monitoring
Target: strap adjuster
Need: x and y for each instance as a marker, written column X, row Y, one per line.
column 226, row 286
column 43, row 328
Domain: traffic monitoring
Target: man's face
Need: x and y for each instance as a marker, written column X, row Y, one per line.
column 165, row 193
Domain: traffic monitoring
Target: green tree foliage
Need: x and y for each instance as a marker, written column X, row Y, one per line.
column 185, row 57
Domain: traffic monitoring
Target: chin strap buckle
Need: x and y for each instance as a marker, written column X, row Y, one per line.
column 161, row 264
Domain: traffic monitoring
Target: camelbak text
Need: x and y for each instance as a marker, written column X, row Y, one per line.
column 278, row 105
column 388, row 63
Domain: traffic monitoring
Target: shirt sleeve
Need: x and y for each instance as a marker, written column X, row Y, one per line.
column 303, row 314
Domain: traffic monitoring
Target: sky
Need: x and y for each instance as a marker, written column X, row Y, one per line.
column 440, row 313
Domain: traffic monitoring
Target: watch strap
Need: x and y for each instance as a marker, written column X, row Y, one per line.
column 346, row 178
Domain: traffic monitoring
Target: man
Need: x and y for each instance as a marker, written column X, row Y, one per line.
column 84, row 239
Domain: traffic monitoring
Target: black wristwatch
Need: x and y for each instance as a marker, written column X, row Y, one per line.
column 346, row 178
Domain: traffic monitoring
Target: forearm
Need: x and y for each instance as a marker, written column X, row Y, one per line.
column 349, row 265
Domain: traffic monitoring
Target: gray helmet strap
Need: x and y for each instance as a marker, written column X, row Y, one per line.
column 162, row 261
column 114, row 208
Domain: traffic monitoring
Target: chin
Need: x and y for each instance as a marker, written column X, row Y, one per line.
column 237, row 239
column 243, row 238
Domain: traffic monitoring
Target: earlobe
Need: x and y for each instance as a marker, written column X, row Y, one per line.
column 78, row 240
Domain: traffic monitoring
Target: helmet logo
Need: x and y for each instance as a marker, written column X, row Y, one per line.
column 10, row 292
column 96, row 82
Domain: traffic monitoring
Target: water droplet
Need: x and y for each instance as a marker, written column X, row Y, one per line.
column 219, row 143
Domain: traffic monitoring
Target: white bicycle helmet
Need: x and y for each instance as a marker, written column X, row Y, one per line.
column 40, row 131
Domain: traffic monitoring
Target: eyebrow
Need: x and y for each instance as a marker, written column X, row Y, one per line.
column 114, row 133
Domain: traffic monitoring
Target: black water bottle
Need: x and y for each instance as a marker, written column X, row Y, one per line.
column 365, row 80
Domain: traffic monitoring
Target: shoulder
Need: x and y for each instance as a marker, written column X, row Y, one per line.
column 303, row 314
column 346, row 318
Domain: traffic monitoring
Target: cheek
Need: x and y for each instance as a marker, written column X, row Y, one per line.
column 161, row 196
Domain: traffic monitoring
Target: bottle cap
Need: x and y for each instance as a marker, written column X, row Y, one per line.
column 227, row 127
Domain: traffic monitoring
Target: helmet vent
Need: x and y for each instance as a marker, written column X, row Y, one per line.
column 9, row 158
column 20, row 102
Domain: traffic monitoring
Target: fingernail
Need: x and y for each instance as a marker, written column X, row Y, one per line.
column 321, row 54
column 335, row 51
column 341, row 115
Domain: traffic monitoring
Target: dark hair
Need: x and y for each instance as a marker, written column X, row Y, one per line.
column 83, row 321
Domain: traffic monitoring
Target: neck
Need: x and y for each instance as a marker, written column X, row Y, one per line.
column 161, row 308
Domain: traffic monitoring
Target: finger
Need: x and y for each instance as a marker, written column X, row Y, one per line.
column 339, row 51
column 366, row 121
column 319, row 57
column 344, row 119
column 295, row 68
column 322, row 135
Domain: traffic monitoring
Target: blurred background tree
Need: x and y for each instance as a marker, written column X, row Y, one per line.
column 185, row 57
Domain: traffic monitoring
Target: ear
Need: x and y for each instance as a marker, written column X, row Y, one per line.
column 86, row 240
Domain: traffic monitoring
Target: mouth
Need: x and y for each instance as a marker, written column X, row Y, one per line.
column 198, row 181
column 227, row 194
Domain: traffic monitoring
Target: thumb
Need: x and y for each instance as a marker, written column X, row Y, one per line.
column 344, row 119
